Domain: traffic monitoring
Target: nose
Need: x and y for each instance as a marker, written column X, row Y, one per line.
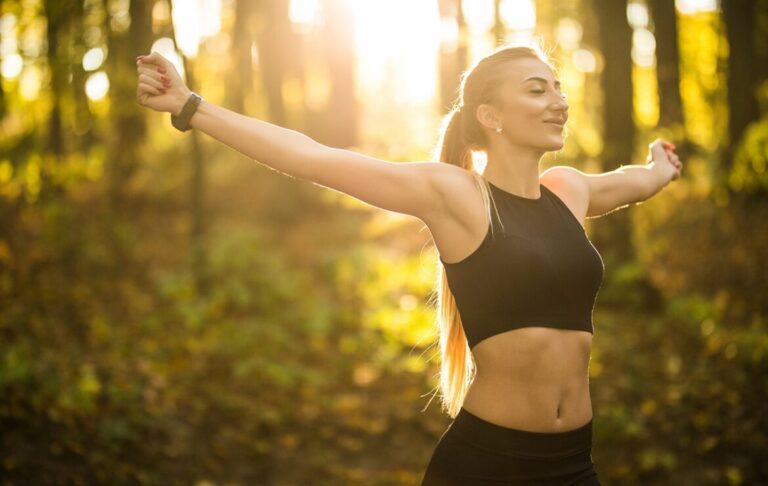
column 562, row 104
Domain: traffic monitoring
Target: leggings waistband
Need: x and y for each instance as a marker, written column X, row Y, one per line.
column 522, row 443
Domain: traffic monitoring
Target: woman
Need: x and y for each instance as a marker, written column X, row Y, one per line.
column 519, row 275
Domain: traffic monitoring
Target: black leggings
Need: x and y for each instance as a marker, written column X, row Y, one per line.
column 473, row 451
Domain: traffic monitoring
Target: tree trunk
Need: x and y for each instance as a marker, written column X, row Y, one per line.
column 240, row 85
column 128, row 124
column 2, row 93
column 453, row 59
column 339, row 127
column 739, row 17
column 83, row 121
column 272, row 42
column 664, row 17
column 615, row 39
column 56, row 16
column 198, row 255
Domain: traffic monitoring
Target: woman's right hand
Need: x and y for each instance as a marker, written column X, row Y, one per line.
column 160, row 86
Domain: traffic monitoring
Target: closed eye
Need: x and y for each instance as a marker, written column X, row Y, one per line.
column 540, row 92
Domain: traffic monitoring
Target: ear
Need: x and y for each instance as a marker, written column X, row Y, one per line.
column 488, row 116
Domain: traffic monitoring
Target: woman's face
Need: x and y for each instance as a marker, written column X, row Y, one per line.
column 530, row 107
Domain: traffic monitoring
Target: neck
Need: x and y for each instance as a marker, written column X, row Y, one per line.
column 514, row 169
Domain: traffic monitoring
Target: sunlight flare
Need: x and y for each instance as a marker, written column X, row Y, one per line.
column 97, row 86
column 194, row 20
column 408, row 59
column 518, row 15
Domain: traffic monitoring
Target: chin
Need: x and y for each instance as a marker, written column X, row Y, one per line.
column 554, row 145
column 557, row 142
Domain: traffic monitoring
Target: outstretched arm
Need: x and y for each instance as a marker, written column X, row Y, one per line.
column 408, row 188
column 629, row 184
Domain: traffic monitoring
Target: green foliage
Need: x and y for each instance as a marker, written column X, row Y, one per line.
column 270, row 366
column 678, row 399
column 691, row 245
column 750, row 162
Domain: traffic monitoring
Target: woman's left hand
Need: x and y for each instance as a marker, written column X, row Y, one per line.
column 665, row 161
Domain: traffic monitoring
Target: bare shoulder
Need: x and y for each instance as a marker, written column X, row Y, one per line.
column 459, row 193
column 571, row 186
column 461, row 224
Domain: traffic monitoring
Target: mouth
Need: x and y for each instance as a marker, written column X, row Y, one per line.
column 559, row 124
column 557, row 121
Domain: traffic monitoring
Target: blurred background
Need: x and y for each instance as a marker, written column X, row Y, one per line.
column 173, row 313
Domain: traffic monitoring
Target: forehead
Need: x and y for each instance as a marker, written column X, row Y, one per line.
column 529, row 70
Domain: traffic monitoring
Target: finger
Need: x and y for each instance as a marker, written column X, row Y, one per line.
column 146, row 88
column 146, row 92
column 148, row 68
column 147, row 79
column 152, row 73
column 162, row 79
column 156, row 59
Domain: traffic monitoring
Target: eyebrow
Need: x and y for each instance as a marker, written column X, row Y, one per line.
column 557, row 83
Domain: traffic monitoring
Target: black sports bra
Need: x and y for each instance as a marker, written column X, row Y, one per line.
column 540, row 270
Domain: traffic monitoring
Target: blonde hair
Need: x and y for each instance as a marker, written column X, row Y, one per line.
column 461, row 135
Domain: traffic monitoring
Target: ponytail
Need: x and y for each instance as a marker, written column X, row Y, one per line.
column 457, row 368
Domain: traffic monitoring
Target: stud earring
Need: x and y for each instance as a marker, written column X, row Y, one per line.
column 498, row 130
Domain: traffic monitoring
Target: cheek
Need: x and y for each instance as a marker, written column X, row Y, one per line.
column 523, row 111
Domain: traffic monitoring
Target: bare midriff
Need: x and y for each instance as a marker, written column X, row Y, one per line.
column 533, row 378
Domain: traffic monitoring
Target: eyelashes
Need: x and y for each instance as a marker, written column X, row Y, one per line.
column 563, row 95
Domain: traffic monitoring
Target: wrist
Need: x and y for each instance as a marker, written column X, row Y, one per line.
column 180, row 100
column 182, row 121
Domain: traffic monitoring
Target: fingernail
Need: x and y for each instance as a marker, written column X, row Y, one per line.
column 162, row 69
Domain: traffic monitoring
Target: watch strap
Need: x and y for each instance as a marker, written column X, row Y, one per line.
column 181, row 122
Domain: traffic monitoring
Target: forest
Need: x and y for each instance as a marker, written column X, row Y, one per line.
column 173, row 312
